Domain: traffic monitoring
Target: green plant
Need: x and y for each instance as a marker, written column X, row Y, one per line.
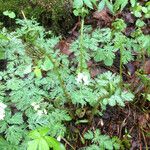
column 141, row 43
column 38, row 83
column 122, row 43
column 139, row 10
column 101, row 142
column 81, row 10
column 42, row 141
column 10, row 14
column 115, row 6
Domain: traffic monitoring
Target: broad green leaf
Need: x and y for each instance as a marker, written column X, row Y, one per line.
column 34, row 134
column 140, row 23
column 33, row 145
column 108, row 62
column 78, row 4
column 47, row 65
column 2, row 55
column 101, row 5
column 43, row 144
column 133, row 2
column 38, row 72
column 76, row 12
column 110, row 6
column 62, row 147
column 54, row 143
column 43, row 131
column 112, row 102
column 148, row 97
column 3, row 37
column 120, row 4
column 123, row 4
column 10, row 14
column 88, row 3
column 138, row 14
column 144, row 9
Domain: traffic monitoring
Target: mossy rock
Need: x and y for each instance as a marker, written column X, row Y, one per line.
column 54, row 14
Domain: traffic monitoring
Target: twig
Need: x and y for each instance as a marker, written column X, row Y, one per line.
column 23, row 15
column 67, row 143
column 144, row 138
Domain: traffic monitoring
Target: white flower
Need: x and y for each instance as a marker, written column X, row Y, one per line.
column 33, row 104
column 2, row 116
column 45, row 111
column 40, row 112
column 36, row 107
column 59, row 138
column 83, row 77
column 2, row 110
column 2, row 105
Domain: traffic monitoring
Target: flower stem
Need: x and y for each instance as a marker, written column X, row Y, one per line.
column 120, row 67
column 81, row 45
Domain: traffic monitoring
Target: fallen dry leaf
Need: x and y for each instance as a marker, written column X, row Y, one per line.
column 147, row 67
column 64, row 47
column 102, row 15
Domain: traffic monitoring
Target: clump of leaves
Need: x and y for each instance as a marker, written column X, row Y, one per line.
column 39, row 83
column 104, row 45
column 100, row 142
column 42, row 141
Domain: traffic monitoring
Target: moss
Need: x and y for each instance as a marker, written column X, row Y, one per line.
column 54, row 14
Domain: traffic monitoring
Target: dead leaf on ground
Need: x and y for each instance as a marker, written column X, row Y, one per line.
column 144, row 120
column 147, row 67
column 102, row 15
column 64, row 47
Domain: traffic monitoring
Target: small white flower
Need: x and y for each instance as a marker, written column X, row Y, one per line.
column 2, row 105
column 2, row 116
column 2, row 110
column 36, row 107
column 33, row 104
column 83, row 77
column 45, row 111
column 40, row 112
column 86, row 80
column 59, row 138
column 79, row 77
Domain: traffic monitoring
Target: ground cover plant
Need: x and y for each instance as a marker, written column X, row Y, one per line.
column 63, row 95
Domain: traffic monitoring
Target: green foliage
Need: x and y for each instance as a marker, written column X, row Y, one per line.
column 106, row 3
column 4, row 145
column 10, row 14
column 141, row 10
column 120, row 4
column 114, row 95
column 42, row 141
column 80, row 3
column 104, row 45
column 38, row 83
column 141, row 43
column 100, row 142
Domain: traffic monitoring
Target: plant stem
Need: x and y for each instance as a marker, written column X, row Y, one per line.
column 57, row 73
column 60, row 79
column 120, row 67
column 97, row 104
column 81, row 45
